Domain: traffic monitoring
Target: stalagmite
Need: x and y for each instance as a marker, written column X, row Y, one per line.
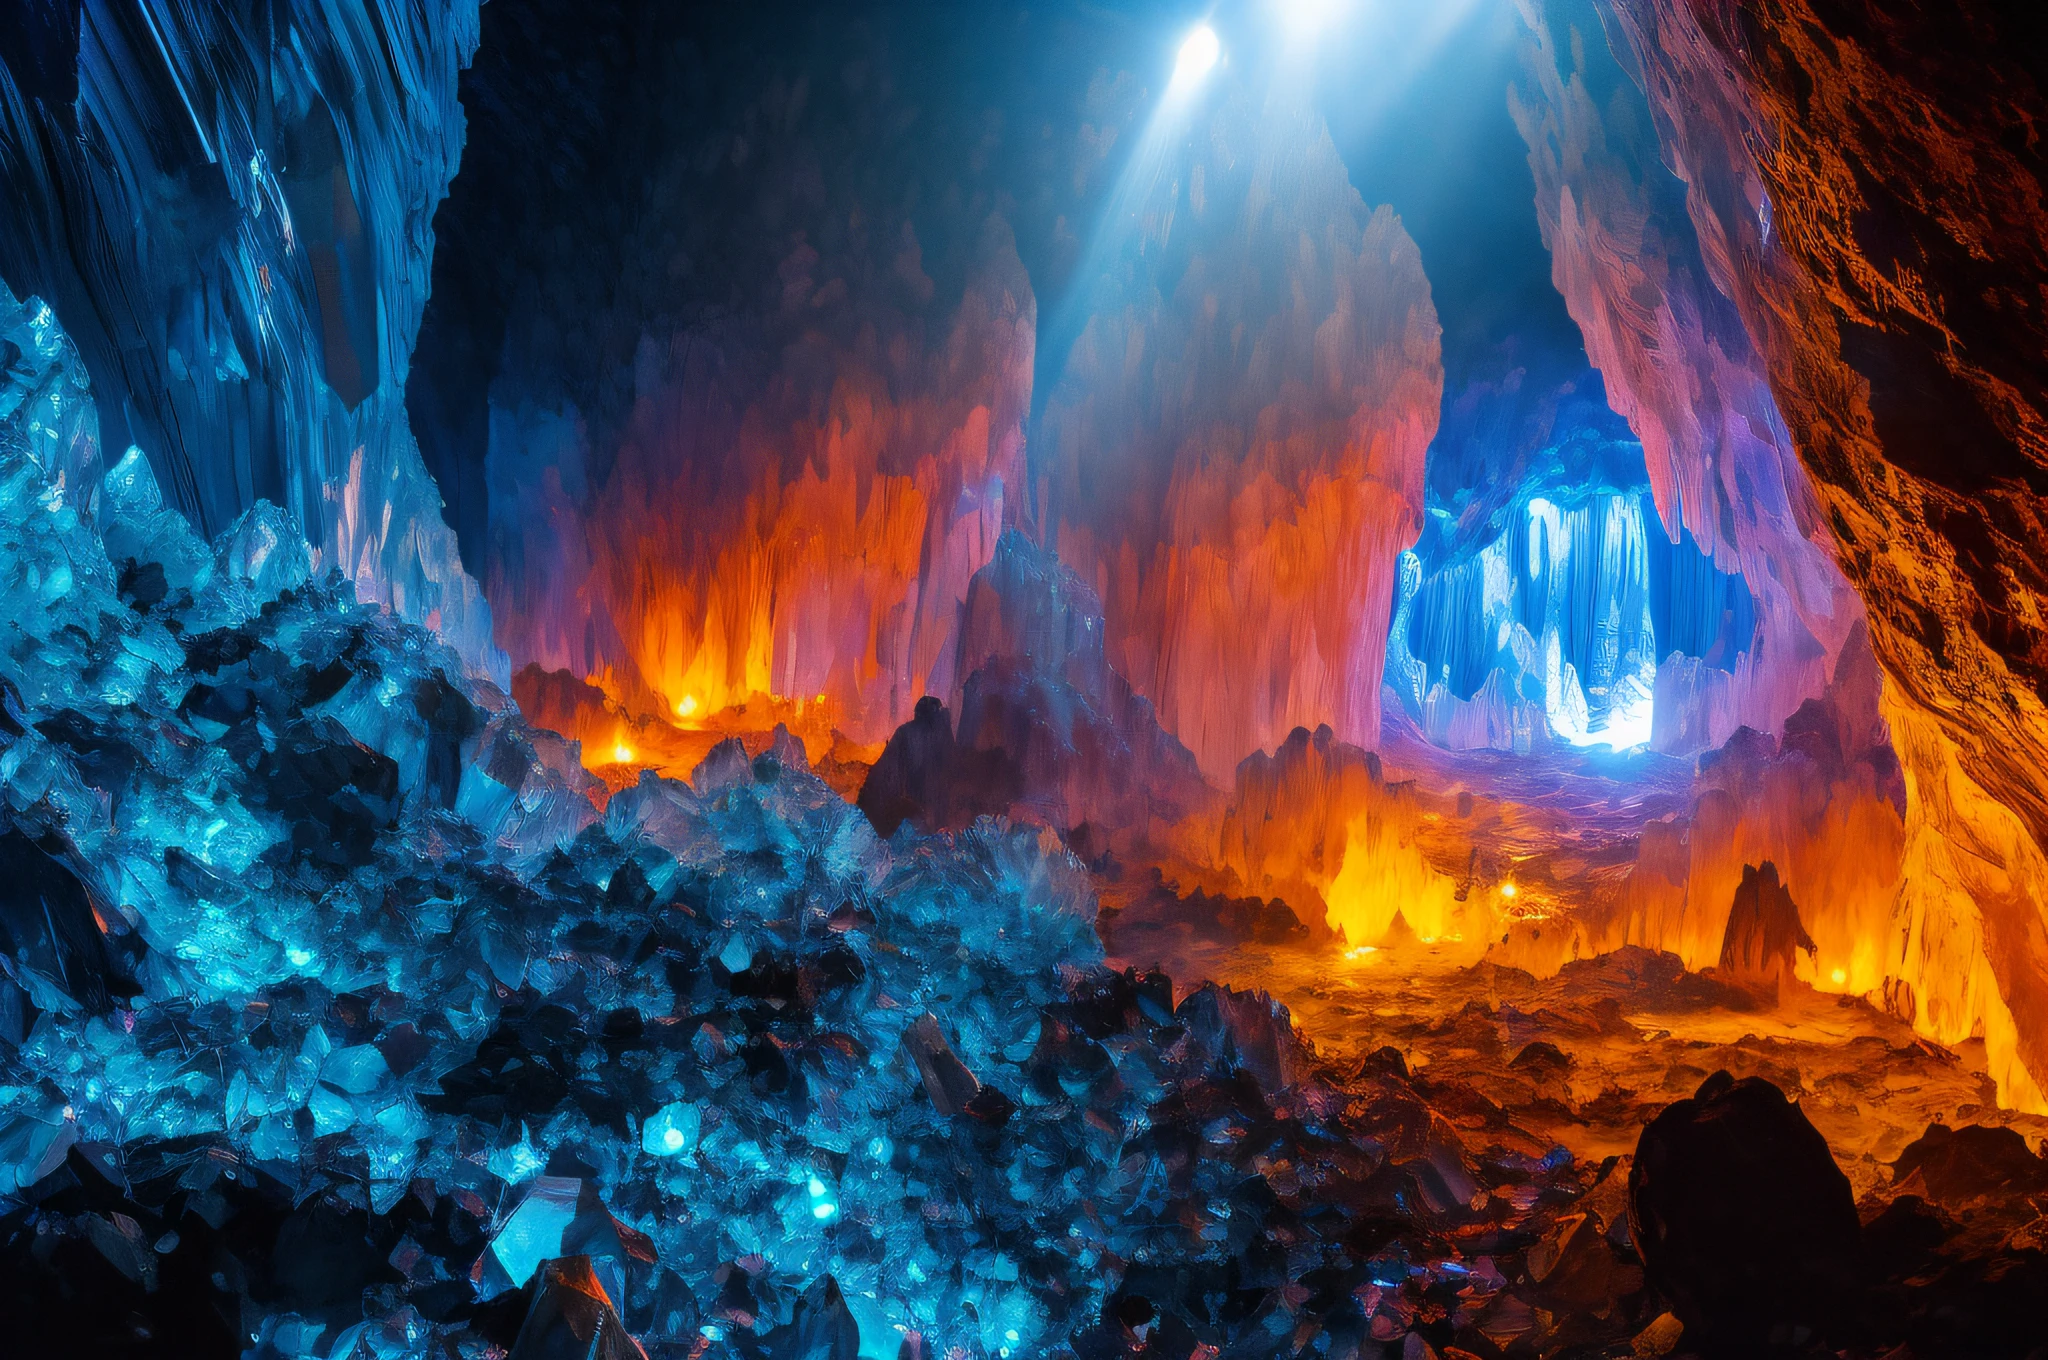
column 1764, row 937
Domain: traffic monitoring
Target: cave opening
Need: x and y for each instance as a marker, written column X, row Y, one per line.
column 1341, row 677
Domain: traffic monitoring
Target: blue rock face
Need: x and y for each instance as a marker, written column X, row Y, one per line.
column 229, row 205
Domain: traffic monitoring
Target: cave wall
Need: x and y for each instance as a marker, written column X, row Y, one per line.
column 227, row 206
column 1680, row 367
column 1866, row 184
column 733, row 406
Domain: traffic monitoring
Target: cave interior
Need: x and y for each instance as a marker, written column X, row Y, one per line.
column 957, row 678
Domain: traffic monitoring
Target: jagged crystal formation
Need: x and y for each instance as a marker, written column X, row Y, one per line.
column 336, row 1021
column 231, row 207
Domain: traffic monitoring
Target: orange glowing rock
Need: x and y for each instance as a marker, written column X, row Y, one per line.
column 1316, row 823
column 1235, row 463
column 809, row 529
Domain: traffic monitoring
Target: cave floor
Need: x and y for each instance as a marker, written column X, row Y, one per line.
column 1627, row 1033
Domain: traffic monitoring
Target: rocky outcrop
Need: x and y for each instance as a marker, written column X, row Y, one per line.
column 1865, row 186
column 1047, row 731
column 1743, row 1219
column 1233, row 456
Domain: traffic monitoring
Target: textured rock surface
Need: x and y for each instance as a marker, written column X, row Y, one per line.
column 228, row 207
column 1234, row 454
column 1865, row 183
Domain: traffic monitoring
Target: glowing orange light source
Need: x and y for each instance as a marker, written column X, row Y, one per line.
column 1508, row 890
column 1841, row 975
column 622, row 753
column 686, row 706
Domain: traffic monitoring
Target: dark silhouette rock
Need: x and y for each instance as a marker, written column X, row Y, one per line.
column 1973, row 1163
column 1744, row 1222
column 1764, row 934
column 910, row 781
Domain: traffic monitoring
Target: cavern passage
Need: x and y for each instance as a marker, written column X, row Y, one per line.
column 1344, row 678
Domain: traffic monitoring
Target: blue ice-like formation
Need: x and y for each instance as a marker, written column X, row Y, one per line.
column 1558, row 626
column 231, row 207
column 258, row 703
column 315, row 961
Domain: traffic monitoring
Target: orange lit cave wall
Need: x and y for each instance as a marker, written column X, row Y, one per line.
column 1824, row 802
column 810, row 543
column 1233, row 456
column 1862, row 182
column 749, row 441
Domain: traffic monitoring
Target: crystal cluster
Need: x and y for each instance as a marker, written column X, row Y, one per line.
column 340, row 1022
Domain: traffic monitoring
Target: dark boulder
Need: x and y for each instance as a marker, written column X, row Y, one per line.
column 1744, row 1222
column 1974, row 1163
